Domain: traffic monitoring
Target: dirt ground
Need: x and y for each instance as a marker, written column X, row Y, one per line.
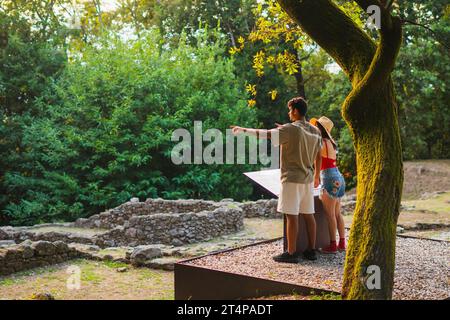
column 425, row 177
column 422, row 178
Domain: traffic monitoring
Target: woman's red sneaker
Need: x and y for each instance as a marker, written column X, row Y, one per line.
column 332, row 248
column 341, row 246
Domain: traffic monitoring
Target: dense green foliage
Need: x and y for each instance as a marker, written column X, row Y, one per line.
column 101, row 133
column 421, row 79
column 86, row 114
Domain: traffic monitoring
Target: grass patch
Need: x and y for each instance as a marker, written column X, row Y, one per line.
column 147, row 274
column 89, row 274
column 8, row 282
column 443, row 234
column 325, row 296
column 36, row 271
column 114, row 264
column 437, row 204
column 20, row 277
column 168, row 295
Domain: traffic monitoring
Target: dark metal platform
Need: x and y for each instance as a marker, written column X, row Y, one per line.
column 199, row 283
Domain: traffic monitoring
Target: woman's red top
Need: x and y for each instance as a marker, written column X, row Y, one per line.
column 327, row 163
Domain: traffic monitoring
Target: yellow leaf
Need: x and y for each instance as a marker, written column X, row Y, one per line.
column 251, row 88
column 289, row 37
column 328, row 282
column 298, row 44
column 260, row 55
column 291, row 69
column 273, row 94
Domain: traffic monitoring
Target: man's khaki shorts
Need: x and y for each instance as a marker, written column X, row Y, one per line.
column 296, row 198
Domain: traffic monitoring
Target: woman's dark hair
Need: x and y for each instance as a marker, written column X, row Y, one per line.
column 300, row 104
column 325, row 134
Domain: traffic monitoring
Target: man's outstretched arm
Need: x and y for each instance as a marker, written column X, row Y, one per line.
column 259, row 133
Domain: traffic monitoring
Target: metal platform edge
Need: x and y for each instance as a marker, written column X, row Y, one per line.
column 201, row 283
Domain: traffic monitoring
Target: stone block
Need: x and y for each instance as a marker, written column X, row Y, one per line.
column 44, row 248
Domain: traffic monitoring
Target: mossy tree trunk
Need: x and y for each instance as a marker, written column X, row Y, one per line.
column 370, row 111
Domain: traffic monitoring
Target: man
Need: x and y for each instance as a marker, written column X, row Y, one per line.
column 300, row 149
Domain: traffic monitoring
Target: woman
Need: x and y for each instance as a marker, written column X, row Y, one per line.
column 333, row 186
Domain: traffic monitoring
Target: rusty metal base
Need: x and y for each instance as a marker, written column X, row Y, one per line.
column 200, row 283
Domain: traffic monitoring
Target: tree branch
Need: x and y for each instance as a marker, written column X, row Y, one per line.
column 335, row 32
column 306, row 57
column 368, row 66
column 386, row 55
column 405, row 21
column 307, row 79
column 436, row 35
column 389, row 4
column 390, row 41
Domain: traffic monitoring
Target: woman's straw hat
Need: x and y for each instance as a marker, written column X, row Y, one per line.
column 326, row 123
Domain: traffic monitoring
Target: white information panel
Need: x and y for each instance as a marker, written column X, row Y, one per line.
column 270, row 180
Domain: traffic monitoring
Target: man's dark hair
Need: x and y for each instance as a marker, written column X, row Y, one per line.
column 300, row 104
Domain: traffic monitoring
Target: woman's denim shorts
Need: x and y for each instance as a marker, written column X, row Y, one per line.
column 333, row 182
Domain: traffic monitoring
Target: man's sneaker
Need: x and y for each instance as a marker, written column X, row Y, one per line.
column 310, row 254
column 286, row 258
column 331, row 249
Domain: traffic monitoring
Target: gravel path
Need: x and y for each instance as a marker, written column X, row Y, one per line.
column 422, row 268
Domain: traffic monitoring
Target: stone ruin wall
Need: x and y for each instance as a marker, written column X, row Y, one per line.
column 28, row 255
column 120, row 215
column 176, row 229
column 173, row 222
